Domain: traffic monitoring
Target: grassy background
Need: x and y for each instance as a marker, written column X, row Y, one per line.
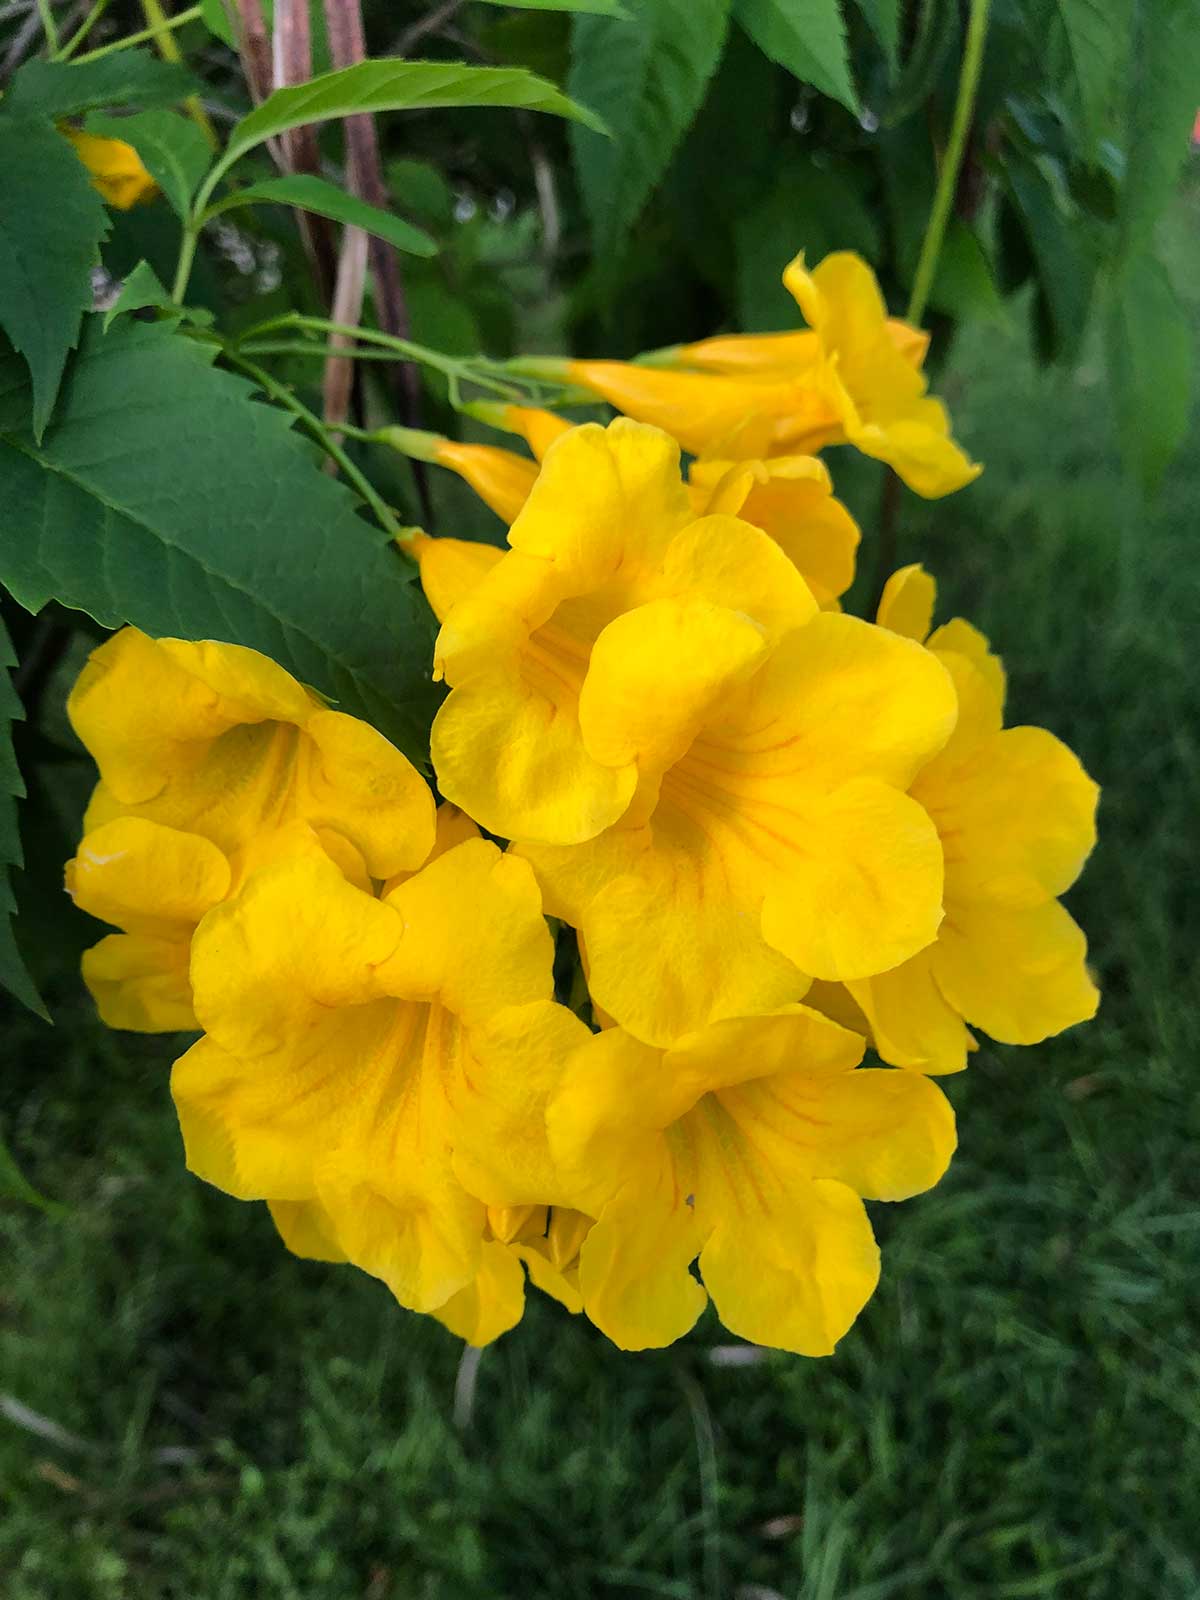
column 185, row 1411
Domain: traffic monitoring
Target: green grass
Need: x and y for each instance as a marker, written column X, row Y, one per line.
column 1017, row 1413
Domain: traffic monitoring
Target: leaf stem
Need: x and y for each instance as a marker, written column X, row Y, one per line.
column 49, row 26
column 82, row 31
column 943, row 199
column 321, row 434
column 187, row 254
column 156, row 31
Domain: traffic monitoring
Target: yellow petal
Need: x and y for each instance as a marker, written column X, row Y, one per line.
column 501, row 478
column 869, row 893
column 492, row 1302
column 501, row 1151
column 796, row 1271
column 560, row 1285
column 306, row 1230
column 450, row 569
column 749, row 354
column 654, row 675
column 116, row 169
column 147, row 879
column 452, row 827
column 911, row 1023
column 600, row 491
column 1020, row 975
column 140, row 983
column 729, row 562
column 791, row 499
column 538, row 428
column 962, row 639
column 358, row 784
column 1018, row 818
column 512, row 754
column 474, row 934
column 633, row 1267
column 906, row 605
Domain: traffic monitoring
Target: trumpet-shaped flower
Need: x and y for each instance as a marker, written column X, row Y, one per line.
column 348, row 1040
column 749, row 1145
column 855, row 377
column 1015, row 811
column 706, row 773
column 116, row 169
column 214, row 761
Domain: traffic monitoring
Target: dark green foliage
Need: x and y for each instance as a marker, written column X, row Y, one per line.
column 53, row 89
column 173, row 150
column 14, row 975
column 165, row 495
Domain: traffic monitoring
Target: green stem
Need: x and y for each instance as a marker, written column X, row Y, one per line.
column 321, row 434
column 49, row 26
column 297, row 347
column 943, row 199
column 161, row 27
column 449, row 366
column 187, row 254
column 82, row 31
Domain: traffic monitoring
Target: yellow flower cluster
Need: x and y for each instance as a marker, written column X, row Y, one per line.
column 781, row 834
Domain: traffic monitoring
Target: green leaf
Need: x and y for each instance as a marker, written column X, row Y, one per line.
column 1161, row 107
column 647, row 79
column 143, row 289
column 167, row 495
column 1149, row 366
column 48, row 247
column 814, row 209
column 964, row 285
column 1098, row 40
column 173, row 150
column 808, row 37
column 883, row 19
column 56, row 89
column 1066, row 269
column 599, row 8
column 14, row 1185
column 389, row 85
column 327, row 200
column 14, row 974
column 215, row 17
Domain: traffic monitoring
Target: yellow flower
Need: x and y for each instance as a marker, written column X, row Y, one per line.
column 349, row 1042
column 749, row 1144
column 855, row 377
column 214, row 761
column 1016, row 814
column 546, row 1241
column 116, row 169
column 706, row 772
column 790, row 497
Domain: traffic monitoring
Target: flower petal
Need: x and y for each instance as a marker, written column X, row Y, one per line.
column 450, row 568
column 794, row 1269
column 1020, row 975
column 306, row 1230
column 867, row 894
column 146, row 878
column 358, row 784
column 492, row 1302
column 140, row 983
column 906, row 605
column 911, row 1023
column 501, row 478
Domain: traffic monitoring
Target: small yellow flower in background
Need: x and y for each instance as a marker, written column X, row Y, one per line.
column 702, row 768
column 213, row 762
column 116, row 168
column 855, row 377
column 349, row 1045
column 1016, row 812
column 750, row 1145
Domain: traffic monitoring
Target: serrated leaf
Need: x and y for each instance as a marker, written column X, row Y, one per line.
column 47, row 250
column 56, row 89
column 327, row 200
column 166, row 495
column 173, row 150
column 1149, row 366
column 647, row 79
column 1098, row 38
column 1161, row 108
column 14, row 975
column 808, row 38
column 599, row 8
column 883, row 19
column 389, row 85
